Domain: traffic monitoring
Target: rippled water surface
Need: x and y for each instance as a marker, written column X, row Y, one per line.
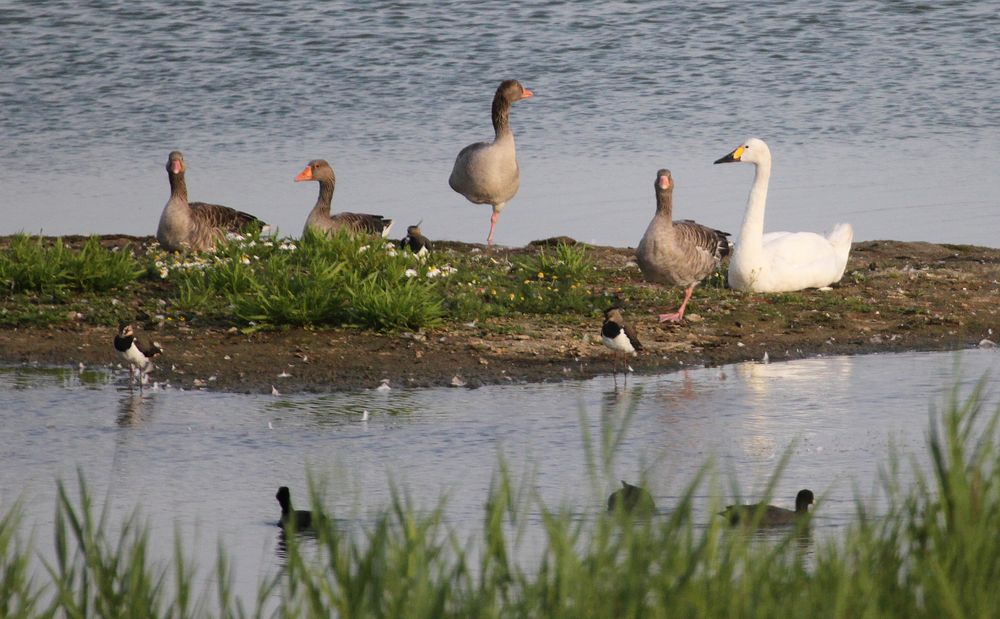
column 208, row 464
column 882, row 114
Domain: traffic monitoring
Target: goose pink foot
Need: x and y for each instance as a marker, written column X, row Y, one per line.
column 679, row 314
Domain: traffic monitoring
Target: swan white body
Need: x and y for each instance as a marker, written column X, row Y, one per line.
column 781, row 261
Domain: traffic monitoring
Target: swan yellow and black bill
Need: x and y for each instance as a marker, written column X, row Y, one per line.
column 733, row 156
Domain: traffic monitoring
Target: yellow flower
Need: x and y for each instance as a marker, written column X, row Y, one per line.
column 512, row 296
column 541, row 275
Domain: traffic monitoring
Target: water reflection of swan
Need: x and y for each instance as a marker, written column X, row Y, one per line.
column 825, row 374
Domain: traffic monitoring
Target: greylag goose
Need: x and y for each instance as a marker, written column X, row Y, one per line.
column 620, row 337
column 297, row 519
column 678, row 253
column 139, row 358
column 486, row 172
column 196, row 225
column 771, row 515
column 632, row 499
column 781, row 261
column 320, row 219
column 415, row 240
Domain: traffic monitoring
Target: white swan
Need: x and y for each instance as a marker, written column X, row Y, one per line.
column 781, row 261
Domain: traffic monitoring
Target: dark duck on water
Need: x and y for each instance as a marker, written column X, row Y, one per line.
column 296, row 519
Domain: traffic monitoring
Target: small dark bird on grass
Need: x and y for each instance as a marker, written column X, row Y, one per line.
column 132, row 351
column 619, row 337
column 415, row 240
column 297, row 519
column 772, row 515
column 632, row 499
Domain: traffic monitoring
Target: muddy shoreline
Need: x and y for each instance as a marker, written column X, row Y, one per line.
column 896, row 296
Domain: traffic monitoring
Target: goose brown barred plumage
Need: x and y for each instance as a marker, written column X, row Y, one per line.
column 770, row 515
column 320, row 220
column 196, row 225
column 487, row 172
column 678, row 253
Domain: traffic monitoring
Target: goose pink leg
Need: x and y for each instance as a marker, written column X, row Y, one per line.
column 493, row 224
column 679, row 314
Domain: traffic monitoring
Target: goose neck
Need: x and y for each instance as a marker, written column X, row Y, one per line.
column 325, row 199
column 501, row 116
column 178, row 187
column 665, row 204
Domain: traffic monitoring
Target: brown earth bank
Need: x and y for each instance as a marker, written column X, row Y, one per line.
column 896, row 296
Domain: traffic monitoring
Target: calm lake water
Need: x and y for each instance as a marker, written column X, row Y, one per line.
column 208, row 464
column 881, row 114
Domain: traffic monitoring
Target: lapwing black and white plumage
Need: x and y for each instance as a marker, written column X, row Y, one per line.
column 415, row 240
column 138, row 357
column 296, row 519
column 619, row 336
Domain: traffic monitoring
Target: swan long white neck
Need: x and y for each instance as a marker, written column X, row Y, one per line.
column 750, row 245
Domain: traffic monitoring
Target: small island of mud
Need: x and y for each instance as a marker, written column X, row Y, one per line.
column 895, row 296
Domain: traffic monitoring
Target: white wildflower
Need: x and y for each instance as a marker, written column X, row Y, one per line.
column 362, row 249
column 245, row 259
column 287, row 246
column 411, row 272
column 164, row 271
column 433, row 272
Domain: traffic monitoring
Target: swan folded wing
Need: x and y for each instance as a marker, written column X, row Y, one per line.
column 803, row 259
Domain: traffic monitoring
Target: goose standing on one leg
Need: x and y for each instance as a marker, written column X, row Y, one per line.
column 320, row 220
column 678, row 253
column 486, row 172
column 781, row 261
column 196, row 225
column 620, row 337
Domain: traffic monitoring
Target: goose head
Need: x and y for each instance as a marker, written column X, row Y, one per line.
column 752, row 150
column 315, row 170
column 664, row 180
column 512, row 91
column 175, row 163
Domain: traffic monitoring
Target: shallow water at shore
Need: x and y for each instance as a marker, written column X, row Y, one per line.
column 209, row 463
